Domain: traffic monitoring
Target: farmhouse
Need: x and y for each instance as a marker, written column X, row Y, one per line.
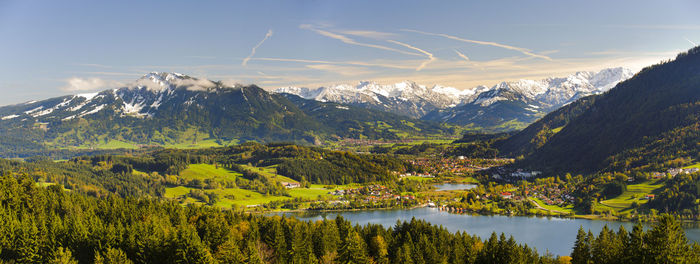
column 290, row 185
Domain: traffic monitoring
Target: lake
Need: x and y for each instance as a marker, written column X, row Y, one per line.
column 454, row 186
column 556, row 235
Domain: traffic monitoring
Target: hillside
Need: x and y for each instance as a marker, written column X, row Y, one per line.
column 649, row 119
column 175, row 110
column 533, row 137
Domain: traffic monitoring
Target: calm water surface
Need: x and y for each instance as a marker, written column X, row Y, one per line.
column 555, row 235
column 454, row 186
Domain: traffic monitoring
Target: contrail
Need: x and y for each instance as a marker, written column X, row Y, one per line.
column 462, row 55
column 355, row 63
column 488, row 43
column 350, row 41
column 252, row 52
column 691, row 42
column 431, row 58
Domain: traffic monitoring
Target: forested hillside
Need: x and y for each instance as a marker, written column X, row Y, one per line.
column 149, row 174
column 649, row 119
column 533, row 137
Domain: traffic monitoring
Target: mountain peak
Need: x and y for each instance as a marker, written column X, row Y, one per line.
column 162, row 81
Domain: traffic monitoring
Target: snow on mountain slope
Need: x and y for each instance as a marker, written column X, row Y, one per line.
column 412, row 99
column 524, row 101
column 139, row 99
column 407, row 98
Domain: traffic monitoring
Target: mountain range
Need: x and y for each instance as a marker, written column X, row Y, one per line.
column 170, row 109
column 505, row 106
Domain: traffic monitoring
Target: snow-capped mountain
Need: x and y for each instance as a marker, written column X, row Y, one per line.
column 407, row 98
column 167, row 108
column 524, row 101
column 449, row 104
column 141, row 98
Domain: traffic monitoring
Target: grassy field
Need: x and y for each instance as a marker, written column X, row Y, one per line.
column 416, row 178
column 117, row 144
column 467, row 180
column 241, row 197
column 208, row 171
column 567, row 209
column 227, row 197
column 174, row 192
column 309, row 193
column 696, row 165
column 269, row 171
column 624, row 201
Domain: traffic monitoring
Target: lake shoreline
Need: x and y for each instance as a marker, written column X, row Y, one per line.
column 555, row 234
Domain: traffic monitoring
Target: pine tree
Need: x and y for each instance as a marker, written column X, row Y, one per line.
column 582, row 251
column 667, row 242
column 112, row 256
column 229, row 252
column 27, row 242
column 353, row 250
column 253, row 255
column 379, row 250
column 63, row 256
column 190, row 249
column 602, row 247
column 404, row 253
column 275, row 239
column 635, row 248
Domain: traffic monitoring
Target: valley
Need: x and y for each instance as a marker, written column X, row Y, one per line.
column 349, row 132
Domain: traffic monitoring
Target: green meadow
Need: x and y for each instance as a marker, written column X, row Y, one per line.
column 228, row 197
column 634, row 193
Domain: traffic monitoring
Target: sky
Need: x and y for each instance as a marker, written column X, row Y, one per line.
column 53, row 48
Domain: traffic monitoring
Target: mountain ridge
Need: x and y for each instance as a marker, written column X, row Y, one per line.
column 169, row 108
column 531, row 99
column 647, row 122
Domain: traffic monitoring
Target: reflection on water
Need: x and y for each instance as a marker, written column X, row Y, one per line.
column 454, row 186
column 556, row 235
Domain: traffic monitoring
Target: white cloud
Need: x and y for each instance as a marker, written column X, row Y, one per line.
column 431, row 58
column 191, row 84
column 341, row 70
column 76, row 84
column 487, row 43
column 252, row 52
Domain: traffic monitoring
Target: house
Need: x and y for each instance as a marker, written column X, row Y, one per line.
column 506, row 195
column 338, row 192
column 675, row 171
column 290, row 185
column 649, row 197
column 658, row 175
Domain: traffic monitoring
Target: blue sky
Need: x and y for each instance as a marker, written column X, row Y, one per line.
column 52, row 48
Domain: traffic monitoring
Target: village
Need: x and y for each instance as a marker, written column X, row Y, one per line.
column 459, row 165
column 371, row 193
